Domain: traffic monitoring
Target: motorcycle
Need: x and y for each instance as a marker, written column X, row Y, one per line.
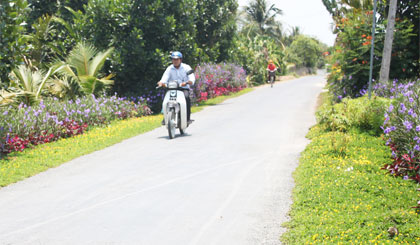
column 271, row 76
column 174, row 108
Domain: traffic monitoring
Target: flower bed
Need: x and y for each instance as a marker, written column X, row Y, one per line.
column 213, row 80
column 52, row 119
column 402, row 128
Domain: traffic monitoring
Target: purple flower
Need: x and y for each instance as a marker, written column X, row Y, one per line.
column 411, row 112
column 386, row 117
column 391, row 108
column 402, row 107
column 418, row 128
column 408, row 125
column 406, row 177
column 408, row 93
column 417, row 148
column 5, row 113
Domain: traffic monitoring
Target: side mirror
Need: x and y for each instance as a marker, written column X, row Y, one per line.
column 190, row 72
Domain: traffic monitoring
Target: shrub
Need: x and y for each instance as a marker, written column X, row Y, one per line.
column 360, row 113
column 402, row 130
column 351, row 58
column 213, row 80
column 343, row 197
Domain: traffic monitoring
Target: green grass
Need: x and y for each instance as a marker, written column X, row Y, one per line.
column 218, row 100
column 342, row 196
column 20, row 165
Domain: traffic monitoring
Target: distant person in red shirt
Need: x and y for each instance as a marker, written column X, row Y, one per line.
column 271, row 68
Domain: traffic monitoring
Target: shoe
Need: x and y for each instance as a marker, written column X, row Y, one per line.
column 163, row 122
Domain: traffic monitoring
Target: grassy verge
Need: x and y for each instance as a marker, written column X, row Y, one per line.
column 342, row 196
column 218, row 100
column 20, row 165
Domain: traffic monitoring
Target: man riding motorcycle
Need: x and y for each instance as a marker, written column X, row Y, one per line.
column 178, row 71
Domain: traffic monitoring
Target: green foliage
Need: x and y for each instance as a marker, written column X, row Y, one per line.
column 51, row 24
column 26, row 86
column 142, row 46
column 40, row 8
column 253, row 53
column 342, row 196
column 305, row 52
column 84, row 64
column 216, row 27
column 40, row 42
column 260, row 13
column 350, row 71
column 12, row 42
column 361, row 114
column 410, row 11
column 351, row 59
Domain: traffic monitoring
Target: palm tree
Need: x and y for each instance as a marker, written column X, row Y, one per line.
column 26, row 86
column 65, row 87
column 83, row 65
column 261, row 15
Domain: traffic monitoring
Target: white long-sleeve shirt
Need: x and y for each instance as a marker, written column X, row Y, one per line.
column 171, row 73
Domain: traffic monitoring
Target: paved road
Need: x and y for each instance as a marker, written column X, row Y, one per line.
column 227, row 182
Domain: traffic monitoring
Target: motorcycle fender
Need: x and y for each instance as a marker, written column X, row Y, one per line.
column 183, row 109
column 164, row 106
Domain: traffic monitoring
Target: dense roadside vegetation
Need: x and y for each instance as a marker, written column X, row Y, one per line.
column 343, row 194
column 68, row 66
column 358, row 179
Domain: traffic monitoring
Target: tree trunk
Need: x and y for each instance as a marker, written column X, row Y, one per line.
column 389, row 38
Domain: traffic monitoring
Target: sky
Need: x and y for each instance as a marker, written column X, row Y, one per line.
column 310, row 15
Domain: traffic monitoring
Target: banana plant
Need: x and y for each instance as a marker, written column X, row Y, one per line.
column 83, row 64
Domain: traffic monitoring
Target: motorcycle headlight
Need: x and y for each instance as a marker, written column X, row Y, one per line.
column 173, row 84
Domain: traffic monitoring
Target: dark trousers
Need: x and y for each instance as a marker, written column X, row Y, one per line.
column 187, row 98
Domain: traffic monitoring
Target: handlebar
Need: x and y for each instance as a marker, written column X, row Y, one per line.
column 188, row 73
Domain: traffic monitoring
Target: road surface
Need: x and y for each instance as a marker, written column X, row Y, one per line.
column 228, row 181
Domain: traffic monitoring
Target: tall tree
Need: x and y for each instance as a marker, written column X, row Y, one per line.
column 216, row 27
column 262, row 15
column 389, row 37
column 12, row 42
column 53, row 7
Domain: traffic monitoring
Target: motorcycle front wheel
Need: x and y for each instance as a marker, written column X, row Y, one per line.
column 182, row 132
column 272, row 80
column 171, row 124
